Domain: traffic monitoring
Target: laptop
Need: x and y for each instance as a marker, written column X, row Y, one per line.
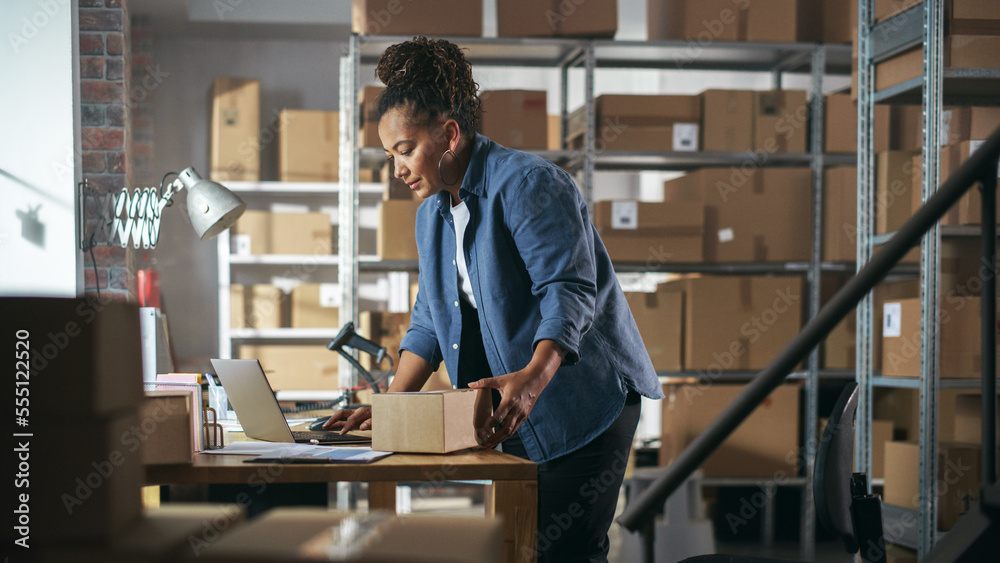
column 258, row 411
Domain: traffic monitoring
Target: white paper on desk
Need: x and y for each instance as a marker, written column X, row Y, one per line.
column 276, row 449
column 331, row 454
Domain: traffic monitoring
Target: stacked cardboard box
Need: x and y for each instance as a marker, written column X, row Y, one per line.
column 648, row 232
column 840, row 214
column 516, row 119
column 959, row 469
column 765, row 445
column 737, row 322
column 734, row 200
column 786, row 21
column 556, row 18
column 315, row 305
column 727, row 120
column 397, row 220
column 265, row 232
column 626, row 122
column 780, row 121
column 168, row 417
column 291, row 367
column 368, row 132
column 893, row 185
column 256, row 306
column 839, row 349
column 659, row 316
column 417, row 17
column 308, row 146
column 234, row 153
column 840, row 127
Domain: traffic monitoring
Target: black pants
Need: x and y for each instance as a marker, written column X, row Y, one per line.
column 577, row 492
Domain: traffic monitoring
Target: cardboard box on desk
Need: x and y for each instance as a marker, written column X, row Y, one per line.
column 308, row 146
column 780, row 121
column 234, row 144
column 765, row 445
column 659, row 317
column 436, row 422
column 634, row 122
column 316, row 305
column 555, row 18
column 738, row 322
column 648, row 232
column 516, row 119
column 266, row 232
column 417, row 17
column 397, row 230
column 727, row 120
column 960, row 464
column 84, row 356
column 733, row 204
column 715, row 20
column 166, row 419
column 296, row 367
column 304, row 534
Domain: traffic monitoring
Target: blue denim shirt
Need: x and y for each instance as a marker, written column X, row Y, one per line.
column 538, row 271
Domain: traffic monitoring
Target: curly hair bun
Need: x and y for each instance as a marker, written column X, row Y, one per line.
column 432, row 74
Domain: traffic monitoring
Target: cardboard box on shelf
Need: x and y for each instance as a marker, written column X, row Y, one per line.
column 397, row 220
column 554, row 134
column 257, row 306
column 433, row 422
column 286, row 233
column 972, row 17
column 839, row 349
column 635, row 122
column 234, row 146
column 887, row 8
column 304, row 534
column 840, row 214
column 515, row 118
column 708, row 20
column 969, row 418
column 97, row 473
column 659, row 316
column 840, row 127
column 170, row 439
column 738, row 322
column 780, row 121
column 898, row 554
column 636, row 231
column 960, row 51
column 906, row 123
column 368, row 132
column 962, row 463
column 893, row 185
column 968, row 123
column 968, row 209
column 733, row 201
column 316, row 305
column 553, row 18
column 384, row 329
column 417, row 17
column 308, row 146
column 839, row 19
column 295, row 367
column 765, row 445
column 727, row 120
column 785, row 21
column 900, row 289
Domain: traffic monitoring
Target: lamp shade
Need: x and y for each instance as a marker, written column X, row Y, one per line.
column 211, row 206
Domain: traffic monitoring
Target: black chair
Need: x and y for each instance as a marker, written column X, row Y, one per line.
column 843, row 504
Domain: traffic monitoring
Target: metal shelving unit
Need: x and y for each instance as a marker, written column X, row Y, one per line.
column 565, row 55
column 919, row 25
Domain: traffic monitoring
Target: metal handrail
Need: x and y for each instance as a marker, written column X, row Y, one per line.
column 980, row 168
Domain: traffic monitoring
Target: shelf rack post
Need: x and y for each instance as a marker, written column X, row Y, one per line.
column 348, row 201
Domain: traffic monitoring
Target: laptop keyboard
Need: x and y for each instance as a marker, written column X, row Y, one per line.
column 303, row 436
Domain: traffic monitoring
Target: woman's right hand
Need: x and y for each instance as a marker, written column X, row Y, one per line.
column 350, row 419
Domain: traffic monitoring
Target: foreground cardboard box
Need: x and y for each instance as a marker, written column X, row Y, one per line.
column 307, row 534
column 234, row 141
column 516, row 119
column 959, row 468
column 293, row 367
column 765, row 445
column 257, row 306
column 733, row 203
column 308, row 146
column 436, row 422
column 780, row 121
column 635, row 122
column 315, row 305
column 659, row 316
column 707, row 20
column 417, row 17
column 959, row 336
column 652, row 233
column 165, row 418
column 555, row 18
column 283, row 233
column 396, row 237
column 727, row 120
column 86, row 353
column 738, row 322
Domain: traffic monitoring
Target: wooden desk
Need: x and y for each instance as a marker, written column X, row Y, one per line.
column 513, row 494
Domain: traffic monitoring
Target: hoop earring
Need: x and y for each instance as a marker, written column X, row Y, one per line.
column 455, row 181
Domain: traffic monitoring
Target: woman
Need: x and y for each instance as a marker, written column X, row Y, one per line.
column 517, row 295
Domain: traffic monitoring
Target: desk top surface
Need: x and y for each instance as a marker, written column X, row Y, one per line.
column 475, row 464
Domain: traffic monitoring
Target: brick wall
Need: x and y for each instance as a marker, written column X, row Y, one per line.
column 105, row 87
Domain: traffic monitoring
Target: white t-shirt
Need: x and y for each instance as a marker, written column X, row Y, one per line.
column 460, row 214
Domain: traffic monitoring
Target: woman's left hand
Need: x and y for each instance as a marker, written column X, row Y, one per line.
column 518, row 391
